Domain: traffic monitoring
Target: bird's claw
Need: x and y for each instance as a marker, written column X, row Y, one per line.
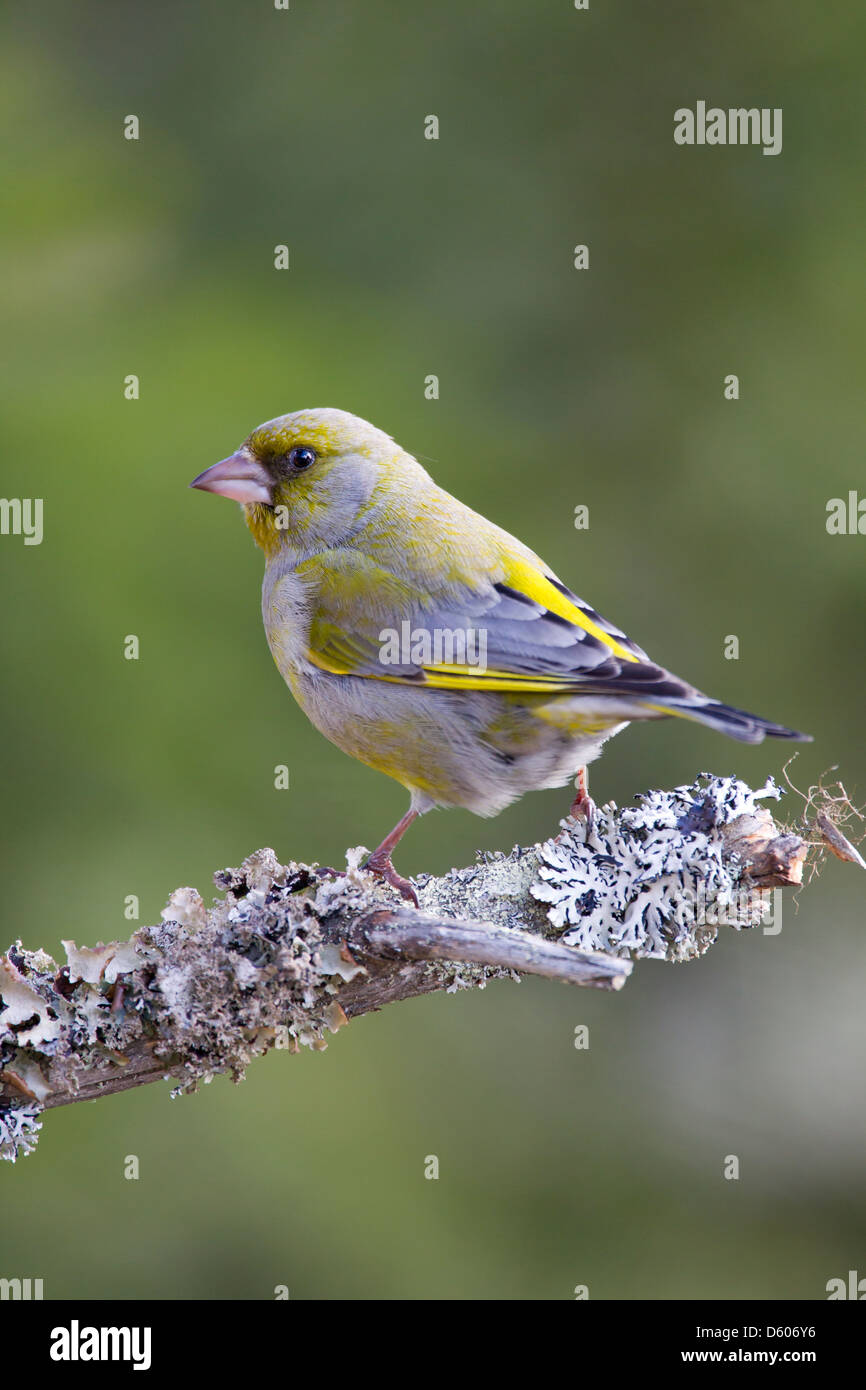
column 583, row 808
column 383, row 868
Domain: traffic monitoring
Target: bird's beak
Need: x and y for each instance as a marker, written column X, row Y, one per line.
column 240, row 477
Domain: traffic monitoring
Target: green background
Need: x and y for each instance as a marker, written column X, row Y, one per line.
column 707, row 518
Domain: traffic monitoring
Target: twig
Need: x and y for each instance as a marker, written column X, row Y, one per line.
column 286, row 958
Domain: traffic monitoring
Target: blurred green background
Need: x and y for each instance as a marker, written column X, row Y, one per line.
column 558, row 387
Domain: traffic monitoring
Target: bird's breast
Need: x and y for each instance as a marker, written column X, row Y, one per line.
column 286, row 613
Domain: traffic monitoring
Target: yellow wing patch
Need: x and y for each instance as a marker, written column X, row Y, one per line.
column 536, row 586
column 339, row 651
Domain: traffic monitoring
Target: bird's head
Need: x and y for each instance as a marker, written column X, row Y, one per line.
column 305, row 479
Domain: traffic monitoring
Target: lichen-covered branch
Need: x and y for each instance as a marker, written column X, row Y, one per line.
column 287, row 956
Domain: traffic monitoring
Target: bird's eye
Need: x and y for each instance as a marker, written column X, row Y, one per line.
column 302, row 457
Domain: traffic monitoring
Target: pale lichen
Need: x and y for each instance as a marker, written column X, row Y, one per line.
column 19, row 1130
column 652, row 880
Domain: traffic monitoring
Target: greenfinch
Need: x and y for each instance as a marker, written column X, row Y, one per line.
column 425, row 641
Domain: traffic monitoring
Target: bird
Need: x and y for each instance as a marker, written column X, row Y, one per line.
column 426, row 641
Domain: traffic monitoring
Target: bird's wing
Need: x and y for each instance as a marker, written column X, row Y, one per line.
column 514, row 628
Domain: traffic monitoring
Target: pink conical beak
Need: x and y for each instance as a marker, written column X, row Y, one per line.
column 240, row 477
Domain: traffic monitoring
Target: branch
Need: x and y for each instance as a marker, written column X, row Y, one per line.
column 287, row 956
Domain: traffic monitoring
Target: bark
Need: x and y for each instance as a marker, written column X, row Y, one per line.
column 287, row 956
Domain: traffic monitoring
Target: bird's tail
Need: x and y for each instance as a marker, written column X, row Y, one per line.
column 736, row 723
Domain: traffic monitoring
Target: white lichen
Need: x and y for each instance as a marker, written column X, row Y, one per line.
column 92, row 964
column 20, row 1003
column 651, row 880
column 186, row 907
column 336, row 960
column 19, row 1130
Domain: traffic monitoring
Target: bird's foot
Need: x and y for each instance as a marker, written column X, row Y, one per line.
column 583, row 808
column 323, row 870
column 381, row 866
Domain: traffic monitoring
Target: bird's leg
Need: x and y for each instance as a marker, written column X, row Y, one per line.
column 583, row 806
column 379, row 862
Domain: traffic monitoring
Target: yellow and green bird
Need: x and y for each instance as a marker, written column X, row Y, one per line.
column 425, row 641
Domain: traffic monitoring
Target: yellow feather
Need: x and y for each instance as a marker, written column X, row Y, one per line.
column 534, row 585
